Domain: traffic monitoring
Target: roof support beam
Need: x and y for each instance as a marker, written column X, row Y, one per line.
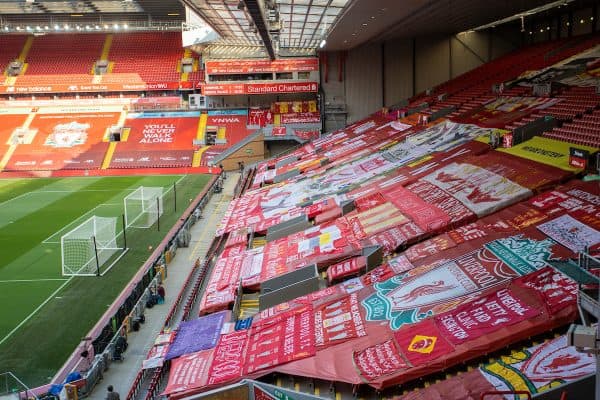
column 259, row 21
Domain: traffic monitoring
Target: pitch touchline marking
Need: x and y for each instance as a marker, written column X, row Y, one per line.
column 9, row 334
column 47, row 240
column 33, row 280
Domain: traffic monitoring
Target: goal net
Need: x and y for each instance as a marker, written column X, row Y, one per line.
column 87, row 249
column 143, row 207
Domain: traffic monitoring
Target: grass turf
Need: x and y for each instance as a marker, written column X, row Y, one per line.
column 44, row 314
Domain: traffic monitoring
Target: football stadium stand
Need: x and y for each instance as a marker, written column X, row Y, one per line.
column 425, row 251
column 60, row 54
column 154, row 56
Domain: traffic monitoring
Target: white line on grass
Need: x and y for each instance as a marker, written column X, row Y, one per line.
column 9, row 334
column 47, row 240
column 82, row 190
column 33, row 280
column 15, row 198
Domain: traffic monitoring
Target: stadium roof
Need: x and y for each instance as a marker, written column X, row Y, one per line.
column 276, row 24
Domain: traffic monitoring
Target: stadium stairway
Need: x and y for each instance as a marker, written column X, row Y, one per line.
column 122, row 374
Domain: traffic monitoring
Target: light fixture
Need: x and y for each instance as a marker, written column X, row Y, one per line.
column 46, row 27
column 67, row 27
column 125, row 26
column 530, row 12
column 6, row 28
column 116, row 26
column 97, row 27
column 173, row 14
column 38, row 28
column 18, row 28
column 547, row 28
column 88, row 27
column 56, row 27
column 28, row 28
column 105, row 26
column 322, row 44
column 581, row 21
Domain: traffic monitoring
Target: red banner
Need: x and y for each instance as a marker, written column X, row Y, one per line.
column 228, row 360
column 258, row 88
column 345, row 268
column 379, row 360
column 279, row 131
column 422, row 342
column 188, row 372
column 300, row 118
column 259, row 116
column 484, row 316
column 254, row 66
column 307, row 135
column 338, row 321
column 557, row 290
column 280, row 339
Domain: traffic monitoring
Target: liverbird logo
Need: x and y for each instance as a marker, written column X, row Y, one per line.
column 479, row 196
column 425, row 290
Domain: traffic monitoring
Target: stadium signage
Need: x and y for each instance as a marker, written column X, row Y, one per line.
column 66, row 87
column 259, row 88
column 259, row 66
column 158, row 133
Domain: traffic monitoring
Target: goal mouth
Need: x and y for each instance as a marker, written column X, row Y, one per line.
column 143, row 207
column 92, row 248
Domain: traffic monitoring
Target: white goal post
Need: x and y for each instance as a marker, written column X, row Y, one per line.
column 87, row 248
column 143, row 207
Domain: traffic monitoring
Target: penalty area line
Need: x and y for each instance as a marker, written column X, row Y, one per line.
column 16, row 328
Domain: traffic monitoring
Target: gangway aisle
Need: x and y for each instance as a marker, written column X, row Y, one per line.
column 122, row 374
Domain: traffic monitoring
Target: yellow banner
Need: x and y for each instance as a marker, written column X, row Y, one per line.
column 547, row 151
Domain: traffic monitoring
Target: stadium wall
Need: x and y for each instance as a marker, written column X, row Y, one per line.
column 382, row 74
column 376, row 75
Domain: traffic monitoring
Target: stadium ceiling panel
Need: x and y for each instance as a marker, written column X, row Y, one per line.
column 291, row 23
column 371, row 21
column 49, row 12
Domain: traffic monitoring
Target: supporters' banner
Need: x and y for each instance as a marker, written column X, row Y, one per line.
column 188, row 372
column 338, row 321
column 403, row 298
column 501, row 111
column 228, row 359
column 483, row 316
column 280, row 339
column 539, row 368
column 259, row 116
column 307, row 134
column 260, row 394
column 427, row 216
column 379, row 360
column 547, row 151
column 480, row 190
column 345, row 268
column 557, row 290
column 392, row 238
column 300, row 118
column 279, row 131
column 260, row 66
column 211, row 89
column 422, row 342
column 429, row 247
column 571, row 233
column 198, row 334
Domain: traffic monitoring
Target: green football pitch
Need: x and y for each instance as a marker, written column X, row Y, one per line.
column 43, row 314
